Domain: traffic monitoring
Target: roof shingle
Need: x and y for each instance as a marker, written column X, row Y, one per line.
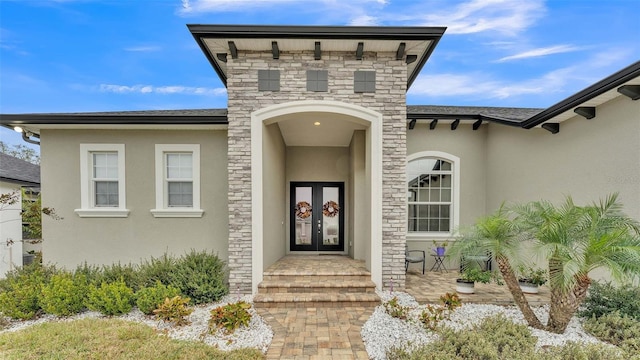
column 18, row 171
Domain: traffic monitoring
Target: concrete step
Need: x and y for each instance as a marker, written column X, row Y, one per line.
column 316, row 277
column 310, row 284
column 315, row 299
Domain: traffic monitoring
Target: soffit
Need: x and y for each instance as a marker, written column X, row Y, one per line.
column 216, row 46
column 334, row 130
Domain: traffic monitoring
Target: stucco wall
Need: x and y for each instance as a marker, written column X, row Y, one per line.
column 73, row 240
column 10, row 231
column 587, row 159
column 358, row 210
column 275, row 204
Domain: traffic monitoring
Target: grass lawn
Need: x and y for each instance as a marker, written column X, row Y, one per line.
column 106, row 339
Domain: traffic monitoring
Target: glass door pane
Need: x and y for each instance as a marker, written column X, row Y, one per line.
column 330, row 216
column 303, row 215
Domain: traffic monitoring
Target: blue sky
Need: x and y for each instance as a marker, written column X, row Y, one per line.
column 90, row 55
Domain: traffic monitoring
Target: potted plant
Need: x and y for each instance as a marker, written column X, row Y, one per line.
column 439, row 247
column 531, row 279
column 465, row 284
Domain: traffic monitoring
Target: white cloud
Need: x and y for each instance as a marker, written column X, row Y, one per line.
column 347, row 8
column 202, row 6
column 539, row 52
column 143, row 48
column 443, row 85
column 484, row 86
column 148, row 89
column 504, row 16
column 564, row 80
column 364, row 20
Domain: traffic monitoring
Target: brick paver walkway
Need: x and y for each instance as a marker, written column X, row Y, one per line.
column 309, row 332
column 316, row 333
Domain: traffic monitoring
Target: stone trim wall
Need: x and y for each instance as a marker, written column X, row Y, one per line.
column 244, row 98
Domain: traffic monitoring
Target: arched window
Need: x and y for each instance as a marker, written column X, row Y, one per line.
column 432, row 192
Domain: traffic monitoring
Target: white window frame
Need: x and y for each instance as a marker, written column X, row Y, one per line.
column 455, row 198
column 162, row 210
column 87, row 191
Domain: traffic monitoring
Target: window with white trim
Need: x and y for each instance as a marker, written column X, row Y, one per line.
column 102, row 181
column 177, row 180
column 432, row 193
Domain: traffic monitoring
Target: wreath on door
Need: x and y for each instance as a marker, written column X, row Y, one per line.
column 330, row 208
column 303, row 210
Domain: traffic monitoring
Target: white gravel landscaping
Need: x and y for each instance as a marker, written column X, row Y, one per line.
column 257, row 335
column 382, row 332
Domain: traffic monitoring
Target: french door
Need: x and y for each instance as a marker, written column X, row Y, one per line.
column 317, row 216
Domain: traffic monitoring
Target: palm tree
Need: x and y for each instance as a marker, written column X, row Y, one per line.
column 577, row 240
column 498, row 235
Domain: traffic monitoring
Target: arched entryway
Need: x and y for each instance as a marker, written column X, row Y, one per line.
column 270, row 127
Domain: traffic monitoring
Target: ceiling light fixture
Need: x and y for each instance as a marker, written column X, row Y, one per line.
column 317, row 123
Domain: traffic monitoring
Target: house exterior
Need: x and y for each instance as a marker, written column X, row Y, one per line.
column 15, row 174
column 318, row 153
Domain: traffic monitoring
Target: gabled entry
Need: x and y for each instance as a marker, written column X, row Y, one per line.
column 317, row 216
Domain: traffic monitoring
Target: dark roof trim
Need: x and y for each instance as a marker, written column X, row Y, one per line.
column 463, row 117
column 630, row 72
column 115, row 119
column 317, row 32
column 19, row 182
column 177, row 118
column 421, row 62
column 200, row 32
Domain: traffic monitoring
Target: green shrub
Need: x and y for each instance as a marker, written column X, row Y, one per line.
column 605, row 298
column 21, row 302
column 394, row 309
column 110, row 298
column 156, row 270
column 92, row 273
column 148, row 298
column 64, row 294
column 174, row 310
column 118, row 272
column 201, row 277
column 20, row 290
column 230, row 317
column 494, row 338
column 581, row 351
column 620, row 330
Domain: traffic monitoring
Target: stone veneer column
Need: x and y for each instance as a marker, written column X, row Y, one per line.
column 389, row 100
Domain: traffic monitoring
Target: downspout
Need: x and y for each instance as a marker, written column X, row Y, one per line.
column 26, row 137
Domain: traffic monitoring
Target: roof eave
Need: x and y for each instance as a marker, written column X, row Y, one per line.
column 20, row 182
column 87, row 119
column 433, row 34
column 630, row 72
column 503, row 121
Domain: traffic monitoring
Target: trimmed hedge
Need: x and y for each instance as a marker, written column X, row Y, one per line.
column 20, row 290
column 199, row 275
column 64, row 295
